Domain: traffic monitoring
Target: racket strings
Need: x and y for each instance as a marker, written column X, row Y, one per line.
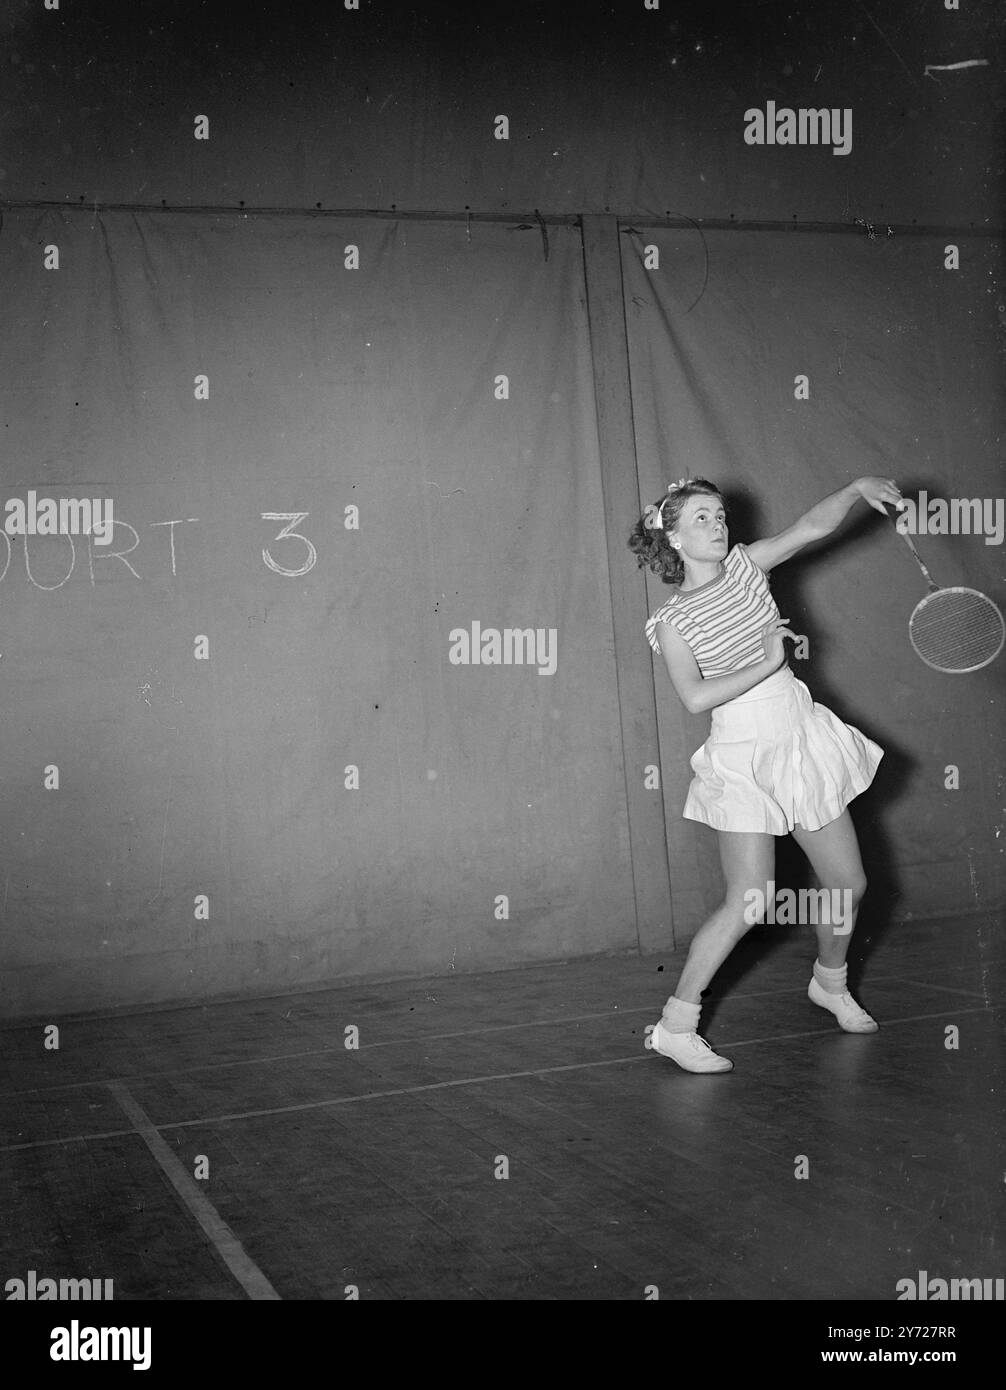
column 957, row 630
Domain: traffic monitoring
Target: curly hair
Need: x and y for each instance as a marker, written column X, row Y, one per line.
column 651, row 545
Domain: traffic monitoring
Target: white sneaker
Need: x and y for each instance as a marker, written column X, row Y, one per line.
column 849, row 1014
column 687, row 1049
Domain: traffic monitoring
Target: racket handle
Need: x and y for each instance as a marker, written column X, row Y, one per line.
column 918, row 558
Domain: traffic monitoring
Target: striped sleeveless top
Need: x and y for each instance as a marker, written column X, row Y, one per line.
column 721, row 621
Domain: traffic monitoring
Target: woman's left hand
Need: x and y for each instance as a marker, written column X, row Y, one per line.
column 877, row 491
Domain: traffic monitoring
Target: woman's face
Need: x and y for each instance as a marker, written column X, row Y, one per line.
column 701, row 530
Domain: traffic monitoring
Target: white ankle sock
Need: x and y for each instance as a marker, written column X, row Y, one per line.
column 832, row 980
column 680, row 1017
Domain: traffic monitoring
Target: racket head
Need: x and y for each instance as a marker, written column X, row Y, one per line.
column 957, row 630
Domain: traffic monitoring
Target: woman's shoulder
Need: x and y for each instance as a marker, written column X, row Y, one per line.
column 663, row 614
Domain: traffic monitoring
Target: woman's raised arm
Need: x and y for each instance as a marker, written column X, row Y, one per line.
column 823, row 518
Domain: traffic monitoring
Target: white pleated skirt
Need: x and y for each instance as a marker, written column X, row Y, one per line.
column 775, row 758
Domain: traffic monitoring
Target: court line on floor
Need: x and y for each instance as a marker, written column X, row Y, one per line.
column 400, row 985
column 948, row 989
column 210, row 1120
column 199, row 1206
column 423, row 1038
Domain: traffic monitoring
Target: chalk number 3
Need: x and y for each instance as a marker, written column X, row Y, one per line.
column 288, row 533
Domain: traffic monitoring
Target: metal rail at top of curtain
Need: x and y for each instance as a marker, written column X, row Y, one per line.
column 529, row 220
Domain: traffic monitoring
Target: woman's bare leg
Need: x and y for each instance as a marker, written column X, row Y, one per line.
column 834, row 855
column 748, row 863
column 748, row 860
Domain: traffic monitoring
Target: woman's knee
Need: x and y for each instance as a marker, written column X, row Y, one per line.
column 745, row 908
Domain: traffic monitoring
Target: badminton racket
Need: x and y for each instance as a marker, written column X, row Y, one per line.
column 954, row 630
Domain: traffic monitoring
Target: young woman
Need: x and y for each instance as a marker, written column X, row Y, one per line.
column 775, row 762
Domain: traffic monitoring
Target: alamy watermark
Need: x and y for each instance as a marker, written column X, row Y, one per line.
column 76, row 1343
column 805, row 126
column 927, row 1288
column 65, row 516
column 34, row 1289
column 829, row 907
column 508, row 646
column 958, row 516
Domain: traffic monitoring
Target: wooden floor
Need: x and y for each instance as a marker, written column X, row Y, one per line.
column 377, row 1167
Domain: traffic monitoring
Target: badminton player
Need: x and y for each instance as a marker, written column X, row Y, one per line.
column 775, row 762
